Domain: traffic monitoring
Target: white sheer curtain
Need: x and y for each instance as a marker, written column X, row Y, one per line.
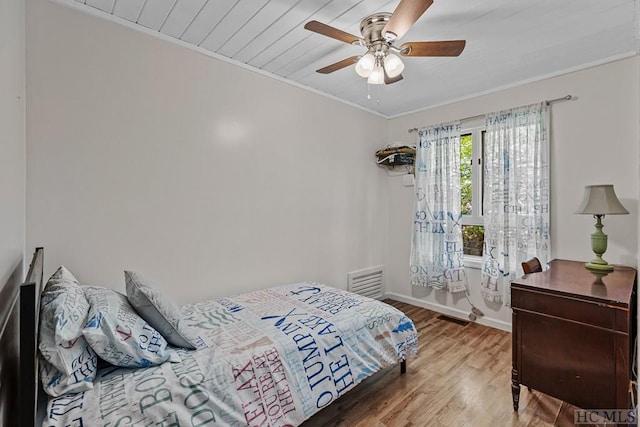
column 436, row 249
column 516, row 196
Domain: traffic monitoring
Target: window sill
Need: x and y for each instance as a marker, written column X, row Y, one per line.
column 471, row 261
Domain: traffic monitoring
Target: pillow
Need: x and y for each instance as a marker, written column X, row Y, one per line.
column 160, row 312
column 70, row 362
column 63, row 308
column 118, row 335
column 84, row 365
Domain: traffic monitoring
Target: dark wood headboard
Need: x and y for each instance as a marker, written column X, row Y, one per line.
column 30, row 293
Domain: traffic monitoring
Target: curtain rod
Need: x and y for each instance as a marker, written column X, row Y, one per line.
column 546, row 101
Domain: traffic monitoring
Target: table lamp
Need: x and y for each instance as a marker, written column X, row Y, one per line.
column 600, row 200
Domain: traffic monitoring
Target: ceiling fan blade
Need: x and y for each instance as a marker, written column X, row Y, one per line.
column 334, row 33
column 338, row 65
column 390, row 80
column 441, row 48
column 405, row 15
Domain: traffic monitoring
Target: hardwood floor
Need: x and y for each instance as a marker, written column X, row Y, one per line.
column 461, row 377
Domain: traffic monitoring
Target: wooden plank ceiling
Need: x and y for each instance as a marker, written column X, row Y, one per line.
column 508, row 41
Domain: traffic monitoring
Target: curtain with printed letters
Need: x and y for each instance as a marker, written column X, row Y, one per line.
column 516, row 196
column 436, row 249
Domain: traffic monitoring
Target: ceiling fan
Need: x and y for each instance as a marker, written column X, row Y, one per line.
column 380, row 64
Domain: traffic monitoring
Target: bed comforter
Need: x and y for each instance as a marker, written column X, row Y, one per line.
column 273, row 357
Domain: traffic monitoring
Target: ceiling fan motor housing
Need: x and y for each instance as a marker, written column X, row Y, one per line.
column 372, row 26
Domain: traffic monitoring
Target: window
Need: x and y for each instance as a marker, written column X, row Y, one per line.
column 471, row 152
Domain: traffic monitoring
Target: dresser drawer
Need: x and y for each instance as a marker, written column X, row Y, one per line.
column 555, row 360
column 574, row 309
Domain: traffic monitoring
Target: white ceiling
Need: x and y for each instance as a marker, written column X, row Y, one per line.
column 508, row 41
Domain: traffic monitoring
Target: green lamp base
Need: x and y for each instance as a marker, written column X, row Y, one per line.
column 599, row 267
column 599, row 247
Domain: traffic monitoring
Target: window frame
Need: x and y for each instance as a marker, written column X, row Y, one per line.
column 476, row 129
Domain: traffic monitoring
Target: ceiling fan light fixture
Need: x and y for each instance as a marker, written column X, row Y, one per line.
column 393, row 65
column 381, row 63
column 365, row 65
column 377, row 76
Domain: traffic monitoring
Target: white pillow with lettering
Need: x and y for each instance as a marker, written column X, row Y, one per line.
column 69, row 364
column 161, row 313
column 63, row 313
column 119, row 335
column 84, row 365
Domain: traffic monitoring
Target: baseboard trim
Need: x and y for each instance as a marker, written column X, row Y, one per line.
column 449, row 311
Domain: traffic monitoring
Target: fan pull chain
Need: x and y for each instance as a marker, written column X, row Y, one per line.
column 377, row 95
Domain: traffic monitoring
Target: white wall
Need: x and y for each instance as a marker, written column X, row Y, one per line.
column 207, row 177
column 594, row 140
column 12, row 139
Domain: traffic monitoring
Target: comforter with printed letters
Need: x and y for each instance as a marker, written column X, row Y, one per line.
column 273, row 357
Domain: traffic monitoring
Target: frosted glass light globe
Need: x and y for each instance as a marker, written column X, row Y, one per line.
column 377, row 76
column 393, row 65
column 365, row 65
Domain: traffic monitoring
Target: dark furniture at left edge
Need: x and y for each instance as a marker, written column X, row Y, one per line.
column 29, row 317
column 574, row 334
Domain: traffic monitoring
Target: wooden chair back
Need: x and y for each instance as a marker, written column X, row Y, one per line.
column 532, row 266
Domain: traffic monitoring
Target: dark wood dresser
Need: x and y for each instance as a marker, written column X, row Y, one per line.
column 573, row 334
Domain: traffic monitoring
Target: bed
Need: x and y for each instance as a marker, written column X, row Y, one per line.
column 272, row 357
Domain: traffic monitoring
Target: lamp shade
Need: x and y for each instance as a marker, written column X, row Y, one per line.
column 601, row 200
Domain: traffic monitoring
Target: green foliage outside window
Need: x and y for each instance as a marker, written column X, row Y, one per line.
column 472, row 235
column 465, row 174
column 472, row 239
